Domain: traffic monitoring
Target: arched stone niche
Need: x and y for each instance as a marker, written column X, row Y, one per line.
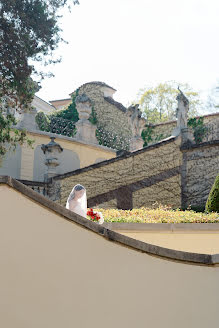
column 11, row 163
column 69, row 161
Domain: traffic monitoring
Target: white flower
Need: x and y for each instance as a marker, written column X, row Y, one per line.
column 101, row 218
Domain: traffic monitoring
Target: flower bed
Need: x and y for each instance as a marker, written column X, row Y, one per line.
column 159, row 215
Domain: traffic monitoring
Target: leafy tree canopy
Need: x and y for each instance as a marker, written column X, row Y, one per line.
column 29, row 32
column 159, row 103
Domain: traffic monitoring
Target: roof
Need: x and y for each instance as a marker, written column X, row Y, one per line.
column 115, row 103
column 48, row 103
column 110, row 235
column 52, row 101
column 102, row 84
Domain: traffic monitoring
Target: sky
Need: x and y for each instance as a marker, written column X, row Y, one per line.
column 131, row 44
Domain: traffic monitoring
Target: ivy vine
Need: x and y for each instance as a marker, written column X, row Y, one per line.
column 199, row 129
column 71, row 112
column 104, row 137
column 111, row 139
column 93, row 116
column 149, row 137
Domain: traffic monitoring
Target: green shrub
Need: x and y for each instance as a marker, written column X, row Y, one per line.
column 212, row 204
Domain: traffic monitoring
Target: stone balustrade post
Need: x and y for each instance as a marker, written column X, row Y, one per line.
column 27, row 120
column 86, row 131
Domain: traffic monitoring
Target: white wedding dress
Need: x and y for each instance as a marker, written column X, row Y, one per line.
column 79, row 210
column 81, row 204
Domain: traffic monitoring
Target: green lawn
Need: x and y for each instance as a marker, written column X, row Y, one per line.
column 159, row 215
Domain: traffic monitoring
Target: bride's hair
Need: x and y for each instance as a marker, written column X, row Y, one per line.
column 77, row 187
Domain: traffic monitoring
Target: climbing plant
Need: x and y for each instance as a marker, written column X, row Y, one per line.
column 149, row 136
column 111, row 139
column 63, row 122
column 42, row 121
column 71, row 112
column 93, row 116
column 199, row 129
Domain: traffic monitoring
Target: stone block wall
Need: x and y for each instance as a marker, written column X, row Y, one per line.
column 138, row 179
column 165, row 173
column 200, row 166
column 212, row 123
column 164, row 130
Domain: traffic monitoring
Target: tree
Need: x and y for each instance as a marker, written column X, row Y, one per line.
column 212, row 204
column 159, row 104
column 29, row 32
column 212, row 102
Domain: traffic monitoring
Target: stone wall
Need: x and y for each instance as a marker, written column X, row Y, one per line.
column 137, row 179
column 200, row 168
column 110, row 114
column 164, row 130
column 166, row 173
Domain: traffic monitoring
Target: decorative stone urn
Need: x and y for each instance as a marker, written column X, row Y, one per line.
column 52, row 154
column 137, row 124
column 27, row 120
column 86, row 131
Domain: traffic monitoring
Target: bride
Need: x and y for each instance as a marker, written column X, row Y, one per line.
column 77, row 201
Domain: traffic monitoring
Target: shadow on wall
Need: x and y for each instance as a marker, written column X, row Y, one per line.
column 11, row 164
column 69, row 161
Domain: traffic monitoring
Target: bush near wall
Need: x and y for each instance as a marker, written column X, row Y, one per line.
column 212, row 204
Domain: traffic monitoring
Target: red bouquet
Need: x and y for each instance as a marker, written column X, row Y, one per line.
column 95, row 216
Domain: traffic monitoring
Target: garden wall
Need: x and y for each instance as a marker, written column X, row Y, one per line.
column 200, row 168
column 137, row 179
column 165, row 173
column 164, row 130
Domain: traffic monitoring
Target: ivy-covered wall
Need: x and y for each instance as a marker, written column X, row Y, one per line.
column 113, row 129
column 204, row 128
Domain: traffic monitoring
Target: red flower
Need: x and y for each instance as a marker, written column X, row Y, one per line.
column 93, row 215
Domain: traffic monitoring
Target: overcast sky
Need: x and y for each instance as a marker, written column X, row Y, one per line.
column 129, row 44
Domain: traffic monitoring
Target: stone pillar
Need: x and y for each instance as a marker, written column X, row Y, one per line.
column 182, row 128
column 137, row 124
column 181, row 113
column 136, row 143
column 187, row 136
column 52, row 153
column 86, row 131
column 27, row 120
